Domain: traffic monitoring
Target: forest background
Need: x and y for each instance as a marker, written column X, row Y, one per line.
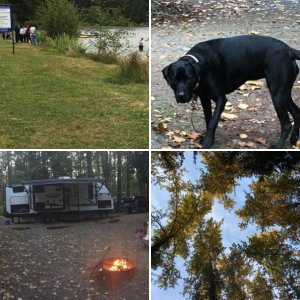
column 115, row 12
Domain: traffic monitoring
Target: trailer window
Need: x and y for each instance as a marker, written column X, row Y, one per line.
column 90, row 191
column 38, row 188
column 18, row 189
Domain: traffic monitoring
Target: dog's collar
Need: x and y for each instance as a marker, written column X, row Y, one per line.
column 193, row 57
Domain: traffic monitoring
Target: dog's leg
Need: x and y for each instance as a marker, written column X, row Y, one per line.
column 206, row 105
column 295, row 112
column 281, row 97
column 280, row 85
column 209, row 138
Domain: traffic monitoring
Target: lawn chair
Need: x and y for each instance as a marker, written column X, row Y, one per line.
column 143, row 234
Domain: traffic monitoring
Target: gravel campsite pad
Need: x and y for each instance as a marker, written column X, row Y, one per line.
column 54, row 261
column 250, row 120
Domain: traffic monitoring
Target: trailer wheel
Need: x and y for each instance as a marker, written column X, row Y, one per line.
column 129, row 210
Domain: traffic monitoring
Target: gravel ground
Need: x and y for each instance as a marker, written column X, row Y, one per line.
column 43, row 263
column 176, row 29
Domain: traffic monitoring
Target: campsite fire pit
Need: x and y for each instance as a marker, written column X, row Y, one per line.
column 117, row 269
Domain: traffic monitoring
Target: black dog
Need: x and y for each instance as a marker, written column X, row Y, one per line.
column 217, row 67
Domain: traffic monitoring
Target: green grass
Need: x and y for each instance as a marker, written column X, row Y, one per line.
column 50, row 100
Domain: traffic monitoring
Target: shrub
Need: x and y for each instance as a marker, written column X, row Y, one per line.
column 112, row 41
column 133, row 69
column 65, row 44
column 59, row 17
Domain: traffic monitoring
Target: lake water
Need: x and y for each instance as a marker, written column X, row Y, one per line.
column 134, row 37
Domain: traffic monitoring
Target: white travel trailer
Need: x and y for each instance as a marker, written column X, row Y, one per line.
column 57, row 196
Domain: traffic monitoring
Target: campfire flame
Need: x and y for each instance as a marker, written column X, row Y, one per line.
column 119, row 265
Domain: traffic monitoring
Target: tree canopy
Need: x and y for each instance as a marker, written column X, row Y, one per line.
column 267, row 264
column 136, row 11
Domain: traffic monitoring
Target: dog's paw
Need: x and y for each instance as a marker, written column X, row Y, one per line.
column 207, row 144
column 294, row 141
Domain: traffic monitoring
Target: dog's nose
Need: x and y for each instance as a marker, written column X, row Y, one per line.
column 181, row 94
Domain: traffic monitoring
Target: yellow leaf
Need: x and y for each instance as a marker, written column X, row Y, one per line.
column 243, row 106
column 254, row 82
column 178, row 139
column 227, row 116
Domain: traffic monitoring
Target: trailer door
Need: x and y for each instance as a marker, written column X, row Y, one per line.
column 72, row 197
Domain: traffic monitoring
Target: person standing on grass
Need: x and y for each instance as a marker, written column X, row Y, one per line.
column 141, row 44
column 32, row 32
column 27, row 34
column 22, row 34
column 17, row 33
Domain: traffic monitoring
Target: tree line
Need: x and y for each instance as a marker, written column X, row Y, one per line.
column 116, row 12
column 125, row 173
column 267, row 265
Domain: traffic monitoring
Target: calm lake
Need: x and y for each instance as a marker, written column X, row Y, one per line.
column 133, row 38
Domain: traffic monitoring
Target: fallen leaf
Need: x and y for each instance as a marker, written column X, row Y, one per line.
column 183, row 133
column 227, row 116
column 178, row 139
column 297, row 146
column 166, row 120
column 243, row 87
column 261, row 140
column 243, row 106
column 254, row 82
column 243, row 135
column 197, row 146
column 246, row 144
column 193, row 135
column 161, row 127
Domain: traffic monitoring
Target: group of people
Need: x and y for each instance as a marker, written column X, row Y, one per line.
column 26, row 34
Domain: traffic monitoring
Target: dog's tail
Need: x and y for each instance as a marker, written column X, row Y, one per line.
column 296, row 53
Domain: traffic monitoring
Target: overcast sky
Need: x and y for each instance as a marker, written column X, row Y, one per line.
column 230, row 231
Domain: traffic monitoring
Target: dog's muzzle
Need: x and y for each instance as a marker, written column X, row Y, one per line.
column 182, row 97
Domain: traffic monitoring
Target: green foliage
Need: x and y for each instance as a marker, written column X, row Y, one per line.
column 204, row 281
column 235, row 269
column 100, row 16
column 119, row 12
column 133, row 68
column 21, row 165
column 111, row 41
column 263, row 267
column 59, row 17
column 65, row 44
column 260, row 288
column 137, row 10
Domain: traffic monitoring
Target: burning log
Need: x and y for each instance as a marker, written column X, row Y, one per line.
column 118, row 269
column 113, row 271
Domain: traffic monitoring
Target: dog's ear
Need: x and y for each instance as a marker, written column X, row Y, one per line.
column 165, row 72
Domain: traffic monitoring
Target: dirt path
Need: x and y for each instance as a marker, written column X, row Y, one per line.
column 43, row 263
column 255, row 124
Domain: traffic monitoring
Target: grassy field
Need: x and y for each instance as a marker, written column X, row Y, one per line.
column 57, row 101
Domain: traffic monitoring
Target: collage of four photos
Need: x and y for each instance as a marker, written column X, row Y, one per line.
column 150, row 150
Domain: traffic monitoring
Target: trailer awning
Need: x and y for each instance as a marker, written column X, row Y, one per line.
column 62, row 181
